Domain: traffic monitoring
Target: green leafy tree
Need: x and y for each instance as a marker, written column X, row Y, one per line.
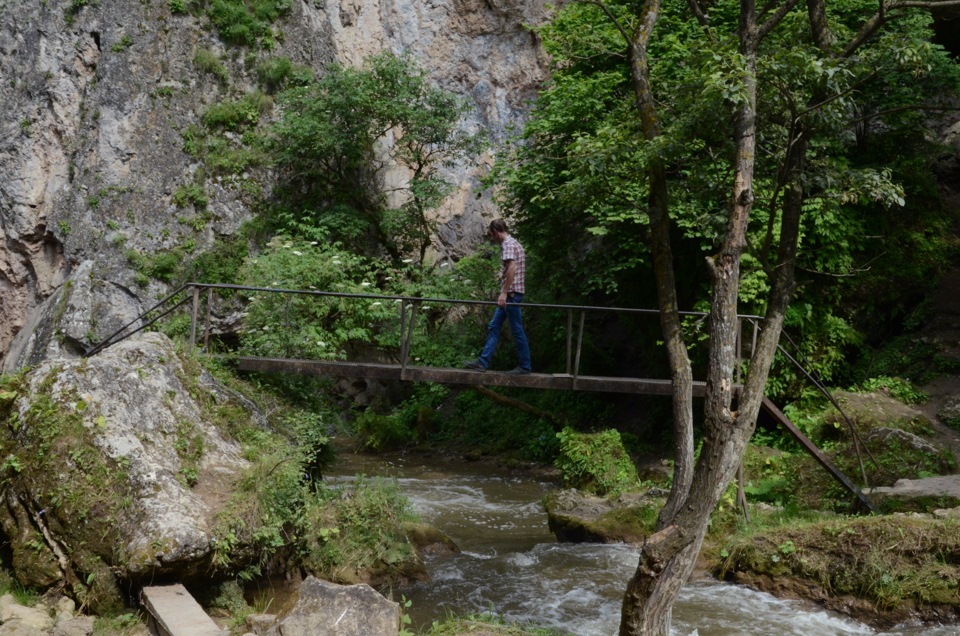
column 362, row 154
column 740, row 136
column 306, row 325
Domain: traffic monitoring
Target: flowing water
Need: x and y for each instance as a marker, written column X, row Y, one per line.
column 512, row 566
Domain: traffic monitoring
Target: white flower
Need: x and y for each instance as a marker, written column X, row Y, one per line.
column 388, row 278
column 335, row 261
column 376, row 304
column 313, row 242
column 397, row 300
column 408, row 260
column 298, row 253
column 444, row 264
column 426, row 307
column 364, row 284
column 311, row 287
column 467, row 282
column 321, row 343
column 266, row 327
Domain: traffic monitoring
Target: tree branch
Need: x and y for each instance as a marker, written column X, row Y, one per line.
column 775, row 19
column 518, row 404
column 882, row 16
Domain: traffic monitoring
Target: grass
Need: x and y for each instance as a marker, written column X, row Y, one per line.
column 486, row 624
column 909, row 561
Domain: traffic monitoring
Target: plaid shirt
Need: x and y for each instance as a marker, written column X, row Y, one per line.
column 511, row 250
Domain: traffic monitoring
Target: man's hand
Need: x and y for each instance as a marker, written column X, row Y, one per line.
column 502, row 299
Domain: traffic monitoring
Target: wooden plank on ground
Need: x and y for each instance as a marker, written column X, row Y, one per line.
column 177, row 613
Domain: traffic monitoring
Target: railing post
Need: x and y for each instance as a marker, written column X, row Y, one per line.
column 408, row 341
column 286, row 324
column 569, row 341
column 576, row 364
column 739, row 348
column 193, row 318
column 206, row 321
column 403, row 332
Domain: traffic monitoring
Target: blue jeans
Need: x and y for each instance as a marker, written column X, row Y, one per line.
column 509, row 313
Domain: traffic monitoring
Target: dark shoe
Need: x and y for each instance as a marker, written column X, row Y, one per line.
column 476, row 365
column 518, row 371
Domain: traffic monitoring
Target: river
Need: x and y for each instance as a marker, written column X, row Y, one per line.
column 512, row 566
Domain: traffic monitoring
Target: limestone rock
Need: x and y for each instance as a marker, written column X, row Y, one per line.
column 81, row 312
column 328, row 609
column 577, row 517
column 27, row 616
column 260, row 623
column 102, row 489
column 949, row 412
column 77, row 626
column 98, row 97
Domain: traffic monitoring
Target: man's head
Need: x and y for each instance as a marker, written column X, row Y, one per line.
column 497, row 231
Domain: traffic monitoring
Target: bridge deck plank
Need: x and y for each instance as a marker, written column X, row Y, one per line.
column 559, row 381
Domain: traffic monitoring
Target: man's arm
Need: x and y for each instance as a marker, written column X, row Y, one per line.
column 507, row 281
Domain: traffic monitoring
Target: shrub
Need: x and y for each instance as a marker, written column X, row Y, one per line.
column 347, row 532
column 207, row 61
column 595, row 462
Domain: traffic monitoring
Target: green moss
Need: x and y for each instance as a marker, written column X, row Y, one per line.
column 52, row 465
column 358, row 533
column 890, row 561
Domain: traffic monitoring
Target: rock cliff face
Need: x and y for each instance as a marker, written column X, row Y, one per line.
column 95, row 96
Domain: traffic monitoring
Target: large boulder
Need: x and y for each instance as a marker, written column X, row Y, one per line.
column 578, row 517
column 111, row 470
column 328, row 609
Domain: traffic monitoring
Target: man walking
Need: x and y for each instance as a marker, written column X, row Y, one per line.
column 513, row 268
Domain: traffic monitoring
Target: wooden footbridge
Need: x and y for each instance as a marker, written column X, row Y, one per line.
column 203, row 299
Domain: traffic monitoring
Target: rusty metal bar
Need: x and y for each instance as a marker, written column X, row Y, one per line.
column 576, row 364
column 569, row 341
column 739, row 352
column 206, row 321
column 193, row 318
column 454, row 301
column 403, row 333
column 817, row 454
column 409, row 340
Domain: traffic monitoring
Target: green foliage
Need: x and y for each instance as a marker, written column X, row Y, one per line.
column 576, row 180
column 376, row 432
column 313, row 326
column 359, row 528
column 247, row 22
column 896, row 388
column 209, row 62
column 485, row 624
column 191, row 194
column 276, row 73
column 891, row 565
column 177, row 7
column 122, row 44
column 329, row 146
column 239, row 115
column 595, row 462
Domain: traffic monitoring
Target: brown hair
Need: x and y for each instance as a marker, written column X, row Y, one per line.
column 498, row 225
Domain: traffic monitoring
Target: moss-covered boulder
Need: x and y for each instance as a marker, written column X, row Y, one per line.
column 111, row 471
column 578, row 517
column 882, row 570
